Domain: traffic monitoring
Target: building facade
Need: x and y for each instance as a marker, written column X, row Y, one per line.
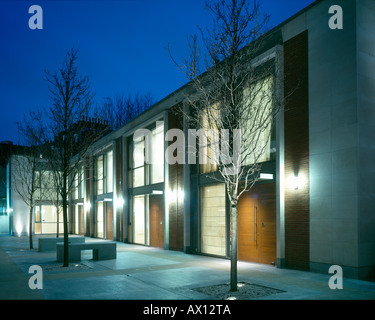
column 314, row 203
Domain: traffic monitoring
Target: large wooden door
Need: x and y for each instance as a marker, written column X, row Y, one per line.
column 109, row 221
column 156, row 221
column 81, row 220
column 257, row 224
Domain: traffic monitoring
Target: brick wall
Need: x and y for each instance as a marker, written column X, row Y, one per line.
column 296, row 152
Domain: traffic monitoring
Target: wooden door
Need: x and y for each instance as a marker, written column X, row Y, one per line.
column 109, row 221
column 156, row 221
column 81, row 220
column 257, row 224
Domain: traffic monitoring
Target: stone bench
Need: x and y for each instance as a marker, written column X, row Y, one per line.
column 49, row 243
column 101, row 250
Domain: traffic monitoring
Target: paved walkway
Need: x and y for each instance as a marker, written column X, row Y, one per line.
column 143, row 273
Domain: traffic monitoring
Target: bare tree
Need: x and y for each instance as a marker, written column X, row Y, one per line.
column 120, row 110
column 26, row 166
column 71, row 136
column 232, row 97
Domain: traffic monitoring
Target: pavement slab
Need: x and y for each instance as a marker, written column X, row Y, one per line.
column 145, row 273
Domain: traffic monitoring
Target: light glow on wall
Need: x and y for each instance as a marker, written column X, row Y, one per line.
column 18, row 229
column 296, row 182
column 87, row 206
column 119, row 203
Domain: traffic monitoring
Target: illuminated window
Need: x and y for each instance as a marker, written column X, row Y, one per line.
column 139, row 163
column 99, row 175
column 207, row 149
column 104, row 173
column 257, row 123
column 213, row 220
column 109, row 172
column 100, row 220
column 148, row 171
column 157, row 167
column 139, row 235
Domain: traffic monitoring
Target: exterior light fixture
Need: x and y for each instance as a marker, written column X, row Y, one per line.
column 119, row 203
column 266, row 176
column 87, row 206
column 107, row 199
column 157, row 191
column 295, row 182
column 172, row 196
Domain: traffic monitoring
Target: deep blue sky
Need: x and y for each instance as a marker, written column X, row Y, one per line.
column 122, row 47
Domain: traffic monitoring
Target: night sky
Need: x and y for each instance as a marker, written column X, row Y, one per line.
column 122, row 47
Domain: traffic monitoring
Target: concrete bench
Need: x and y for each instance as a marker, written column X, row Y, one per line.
column 49, row 243
column 101, row 250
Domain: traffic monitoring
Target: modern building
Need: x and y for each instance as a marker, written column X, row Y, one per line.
column 314, row 204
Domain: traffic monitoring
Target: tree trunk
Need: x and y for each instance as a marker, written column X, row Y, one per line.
column 31, row 227
column 234, row 246
column 66, row 239
column 58, row 223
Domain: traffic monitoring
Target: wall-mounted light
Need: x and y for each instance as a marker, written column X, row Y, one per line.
column 157, row 191
column 107, row 199
column 87, row 206
column 119, row 203
column 295, row 182
column 171, row 196
column 266, row 176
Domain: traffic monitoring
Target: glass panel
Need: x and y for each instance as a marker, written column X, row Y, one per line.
column 49, row 214
column 100, row 176
column 100, row 220
column 207, row 151
column 49, row 219
column 139, row 219
column 138, row 177
column 256, row 131
column 213, row 220
column 76, row 219
column 81, row 182
column 37, row 214
column 139, row 153
column 109, row 173
column 158, row 154
column 37, row 227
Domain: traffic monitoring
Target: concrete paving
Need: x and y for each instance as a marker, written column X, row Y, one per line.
column 144, row 273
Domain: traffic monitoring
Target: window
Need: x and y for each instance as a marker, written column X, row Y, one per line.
column 100, row 219
column 152, row 172
column 139, row 220
column 257, row 126
column 109, row 172
column 139, row 163
column 46, row 185
column 46, row 219
column 157, row 166
column 99, row 175
column 213, row 220
column 104, row 173
column 207, row 149
column 3, row 208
